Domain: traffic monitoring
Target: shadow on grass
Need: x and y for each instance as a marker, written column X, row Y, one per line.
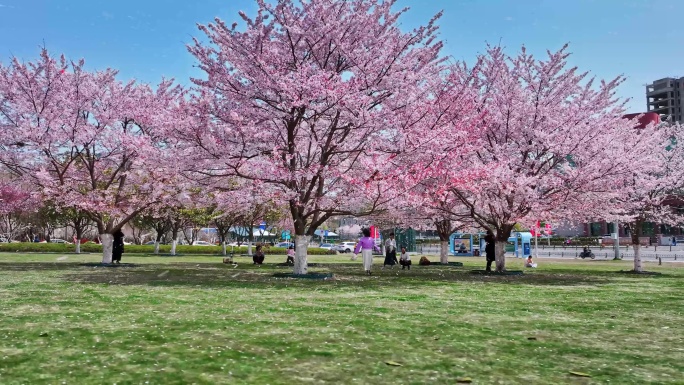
column 345, row 275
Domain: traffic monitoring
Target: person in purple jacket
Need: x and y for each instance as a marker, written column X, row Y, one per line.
column 366, row 245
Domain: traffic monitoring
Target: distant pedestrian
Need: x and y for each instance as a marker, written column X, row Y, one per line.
column 290, row 255
column 366, row 246
column 390, row 252
column 258, row 256
column 674, row 241
column 404, row 259
column 118, row 247
column 490, row 249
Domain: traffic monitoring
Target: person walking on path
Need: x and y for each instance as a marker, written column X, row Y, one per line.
column 390, row 252
column 366, row 245
column 405, row 259
column 118, row 247
column 490, row 249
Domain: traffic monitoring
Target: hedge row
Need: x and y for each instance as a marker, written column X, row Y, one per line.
column 142, row 249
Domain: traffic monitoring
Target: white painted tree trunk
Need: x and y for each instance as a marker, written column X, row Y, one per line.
column 301, row 249
column 156, row 247
column 107, row 247
column 637, row 259
column 249, row 248
column 223, row 248
column 444, row 252
column 78, row 246
column 500, row 253
column 173, row 247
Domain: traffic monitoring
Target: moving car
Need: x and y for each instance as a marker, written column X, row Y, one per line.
column 327, row 246
column 345, row 247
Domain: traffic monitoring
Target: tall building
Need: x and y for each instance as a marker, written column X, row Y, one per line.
column 665, row 98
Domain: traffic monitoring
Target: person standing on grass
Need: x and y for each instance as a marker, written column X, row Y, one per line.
column 118, row 247
column 405, row 259
column 258, row 256
column 390, row 252
column 366, row 245
column 490, row 249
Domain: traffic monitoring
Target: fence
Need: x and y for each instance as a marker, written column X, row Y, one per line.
column 674, row 253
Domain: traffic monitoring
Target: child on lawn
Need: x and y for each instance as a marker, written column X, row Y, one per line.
column 404, row 259
column 290, row 255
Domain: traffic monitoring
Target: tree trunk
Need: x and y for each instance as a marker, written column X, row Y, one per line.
column 156, row 247
column 301, row 248
column 444, row 252
column 443, row 227
column 79, row 235
column 173, row 246
column 500, row 253
column 107, row 241
column 636, row 234
column 250, row 239
column 637, row 259
column 223, row 248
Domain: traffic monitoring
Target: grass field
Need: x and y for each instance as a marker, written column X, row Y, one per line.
column 191, row 320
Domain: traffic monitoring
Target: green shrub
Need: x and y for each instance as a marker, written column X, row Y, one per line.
column 143, row 249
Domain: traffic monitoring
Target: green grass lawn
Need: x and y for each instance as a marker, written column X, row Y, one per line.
column 186, row 320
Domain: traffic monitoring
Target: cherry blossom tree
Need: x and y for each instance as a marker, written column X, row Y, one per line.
column 653, row 193
column 306, row 101
column 15, row 203
column 549, row 140
column 86, row 140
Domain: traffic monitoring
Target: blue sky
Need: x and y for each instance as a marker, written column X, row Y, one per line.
column 145, row 39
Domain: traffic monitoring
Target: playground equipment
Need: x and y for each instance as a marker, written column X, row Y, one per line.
column 520, row 243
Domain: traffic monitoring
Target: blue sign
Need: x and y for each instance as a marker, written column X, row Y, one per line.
column 326, row 233
column 262, row 226
column 285, row 235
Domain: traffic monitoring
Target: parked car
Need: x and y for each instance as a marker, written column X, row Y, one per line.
column 327, row 246
column 345, row 247
column 285, row 245
column 149, row 243
column 235, row 244
column 57, row 240
column 201, row 243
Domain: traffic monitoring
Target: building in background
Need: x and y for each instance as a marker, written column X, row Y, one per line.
column 664, row 97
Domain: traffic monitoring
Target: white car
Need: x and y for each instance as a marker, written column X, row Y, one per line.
column 57, row 240
column 345, row 247
column 285, row 245
column 201, row 243
column 327, row 246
